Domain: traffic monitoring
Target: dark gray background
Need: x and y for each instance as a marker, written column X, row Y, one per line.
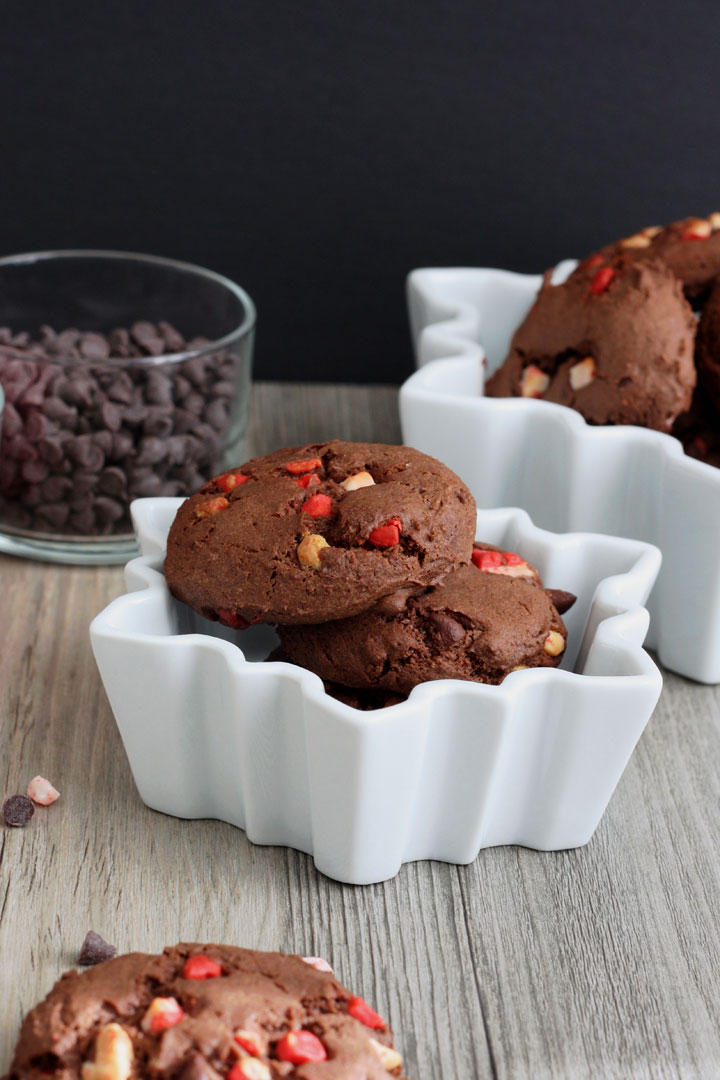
column 318, row 152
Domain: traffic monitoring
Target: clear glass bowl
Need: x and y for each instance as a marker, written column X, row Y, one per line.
column 87, row 426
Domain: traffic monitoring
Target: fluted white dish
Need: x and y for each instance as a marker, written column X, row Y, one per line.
column 213, row 732
column 568, row 475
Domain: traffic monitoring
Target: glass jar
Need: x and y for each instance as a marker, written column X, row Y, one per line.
column 124, row 376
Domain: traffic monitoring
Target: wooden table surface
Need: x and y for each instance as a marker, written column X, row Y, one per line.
column 601, row 962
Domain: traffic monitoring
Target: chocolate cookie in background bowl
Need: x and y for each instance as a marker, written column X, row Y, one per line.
column 205, row 1012
column 615, row 342
column 124, row 376
column 690, row 248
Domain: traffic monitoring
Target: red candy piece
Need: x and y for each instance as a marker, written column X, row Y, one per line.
column 601, row 281
column 231, row 480
column 296, row 468
column 201, row 967
column 308, row 481
column 594, row 260
column 300, row 1047
column 232, row 619
column 487, row 560
column 511, row 559
column 163, row 1013
column 386, row 535
column 318, row 506
column 360, row 1010
column 249, row 1042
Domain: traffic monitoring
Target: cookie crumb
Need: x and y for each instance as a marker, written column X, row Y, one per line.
column 95, row 950
column 18, row 810
column 41, row 791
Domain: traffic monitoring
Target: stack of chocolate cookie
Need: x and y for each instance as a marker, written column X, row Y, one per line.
column 363, row 556
column 620, row 340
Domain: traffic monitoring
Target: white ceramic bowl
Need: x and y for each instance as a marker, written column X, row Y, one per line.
column 625, row 481
column 457, row 767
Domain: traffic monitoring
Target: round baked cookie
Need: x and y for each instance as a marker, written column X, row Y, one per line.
column 615, row 343
column 690, row 248
column 318, row 532
column 204, row 1012
column 473, row 625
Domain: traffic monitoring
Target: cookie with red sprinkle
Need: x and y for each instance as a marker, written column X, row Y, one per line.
column 482, row 622
column 204, row 1011
column 318, row 532
column 615, row 342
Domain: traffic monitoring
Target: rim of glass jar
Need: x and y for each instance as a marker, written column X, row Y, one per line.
column 241, row 331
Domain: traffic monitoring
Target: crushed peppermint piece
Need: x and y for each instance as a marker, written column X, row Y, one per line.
column 41, row 791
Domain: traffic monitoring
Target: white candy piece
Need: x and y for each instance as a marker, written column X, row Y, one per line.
column 358, row 480
column 252, row 1069
column 636, row 241
column 582, row 373
column 41, row 791
column 389, row 1057
column 318, row 963
column 519, row 570
column 113, row 1056
column 554, row 643
column 699, row 227
column 534, row 381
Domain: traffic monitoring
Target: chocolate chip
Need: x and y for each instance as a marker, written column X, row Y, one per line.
column 112, row 481
column 147, row 337
column 216, row 414
column 158, row 388
column 121, row 388
column 86, row 453
column 174, row 341
column 448, row 630
column 11, row 422
column 108, row 509
column 158, row 421
column 34, row 471
column 111, row 416
column 562, row 600
column 56, row 488
column 18, row 810
column 94, row 347
column 95, row 950
column 54, row 514
column 151, row 450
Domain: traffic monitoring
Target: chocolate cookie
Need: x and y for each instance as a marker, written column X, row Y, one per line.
column 690, row 248
column 318, row 532
column 473, row 625
column 204, row 1012
column 613, row 342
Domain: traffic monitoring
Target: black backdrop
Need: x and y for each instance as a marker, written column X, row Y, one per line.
column 318, row 152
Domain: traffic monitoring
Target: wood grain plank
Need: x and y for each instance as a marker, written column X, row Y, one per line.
column 600, row 962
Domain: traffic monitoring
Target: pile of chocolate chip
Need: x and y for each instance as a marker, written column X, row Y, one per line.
column 84, row 433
